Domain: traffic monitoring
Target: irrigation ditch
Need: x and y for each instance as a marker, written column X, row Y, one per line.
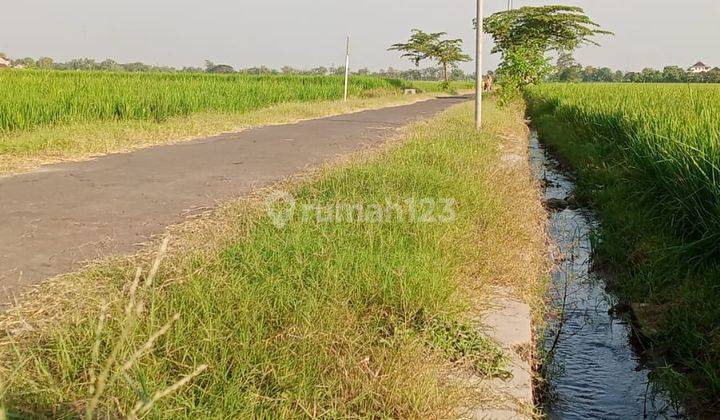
column 594, row 363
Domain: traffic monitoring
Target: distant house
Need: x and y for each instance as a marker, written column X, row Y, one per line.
column 4, row 62
column 699, row 67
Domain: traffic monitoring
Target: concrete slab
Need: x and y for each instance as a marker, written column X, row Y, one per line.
column 509, row 323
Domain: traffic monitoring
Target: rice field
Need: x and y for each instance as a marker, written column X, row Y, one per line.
column 670, row 135
column 39, row 98
column 647, row 159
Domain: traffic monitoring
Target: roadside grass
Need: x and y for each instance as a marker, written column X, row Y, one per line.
column 312, row 319
column 432, row 86
column 26, row 150
column 660, row 254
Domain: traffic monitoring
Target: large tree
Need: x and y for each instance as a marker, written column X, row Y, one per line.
column 422, row 45
column 567, row 69
column 525, row 36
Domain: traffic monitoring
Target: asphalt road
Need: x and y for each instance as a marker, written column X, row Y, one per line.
column 57, row 218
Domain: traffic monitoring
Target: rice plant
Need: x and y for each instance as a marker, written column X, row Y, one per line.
column 34, row 98
column 670, row 138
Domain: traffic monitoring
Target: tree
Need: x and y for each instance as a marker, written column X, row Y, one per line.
column 81, row 64
column 27, row 62
column 567, row 69
column 523, row 65
column 421, row 45
column 457, row 74
column 318, row 71
column 588, row 74
column 713, row 76
column 136, row 67
column 633, row 77
column 565, row 61
column 45, row 63
column 604, row 75
column 288, row 70
column 109, row 65
column 674, row 74
column 524, row 36
column 221, row 69
column 651, row 75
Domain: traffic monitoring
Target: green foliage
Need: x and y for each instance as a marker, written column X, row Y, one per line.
column 648, row 160
column 567, row 70
column 462, row 343
column 422, row 45
column 550, row 28
column 419, row 47
column 34, row 98
column 221, row 69
column 523, row 36
column 670, row 136
column 521, row 66
column 311, row 318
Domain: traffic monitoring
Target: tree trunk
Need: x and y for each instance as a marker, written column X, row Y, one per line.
column 445, row 72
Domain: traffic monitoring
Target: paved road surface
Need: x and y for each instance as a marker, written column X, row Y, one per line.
column 54, row 219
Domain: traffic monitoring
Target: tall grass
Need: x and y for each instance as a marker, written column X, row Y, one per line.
column 312, row 320
column 34, row 98
column 670, row 135
column 648, row 159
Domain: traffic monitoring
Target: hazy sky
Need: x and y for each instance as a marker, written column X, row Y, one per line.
column 649, row 33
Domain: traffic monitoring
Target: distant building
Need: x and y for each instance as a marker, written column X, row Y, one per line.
column 699, row 67
column 4, row 62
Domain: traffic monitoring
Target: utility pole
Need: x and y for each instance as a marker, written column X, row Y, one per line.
column 478, row 66
column 347, row 68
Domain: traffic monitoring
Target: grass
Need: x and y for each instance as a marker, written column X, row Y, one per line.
column 28, row 150
column 314, row 319
column 38, row 98
column 648, row 159
column 78, row 118
column 432, row 86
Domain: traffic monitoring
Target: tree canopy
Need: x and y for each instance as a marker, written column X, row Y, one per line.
column 421, row 45
column 526, row 35
column 559, row 28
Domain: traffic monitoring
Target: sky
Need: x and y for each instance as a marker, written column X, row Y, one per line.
column 311, row 33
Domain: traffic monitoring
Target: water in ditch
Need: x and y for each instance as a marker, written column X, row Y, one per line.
column 596, row 371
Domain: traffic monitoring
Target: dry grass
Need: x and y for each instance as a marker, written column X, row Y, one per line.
column 351, row 364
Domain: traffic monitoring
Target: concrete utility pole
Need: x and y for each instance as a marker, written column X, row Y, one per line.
column 478, row 66
column 347, row 68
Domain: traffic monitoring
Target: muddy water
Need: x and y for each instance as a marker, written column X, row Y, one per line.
column 596, row 372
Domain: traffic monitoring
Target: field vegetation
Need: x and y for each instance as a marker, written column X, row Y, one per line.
column 245, row 319
column 35, row 98
column 648, row 159
column 49, row 116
